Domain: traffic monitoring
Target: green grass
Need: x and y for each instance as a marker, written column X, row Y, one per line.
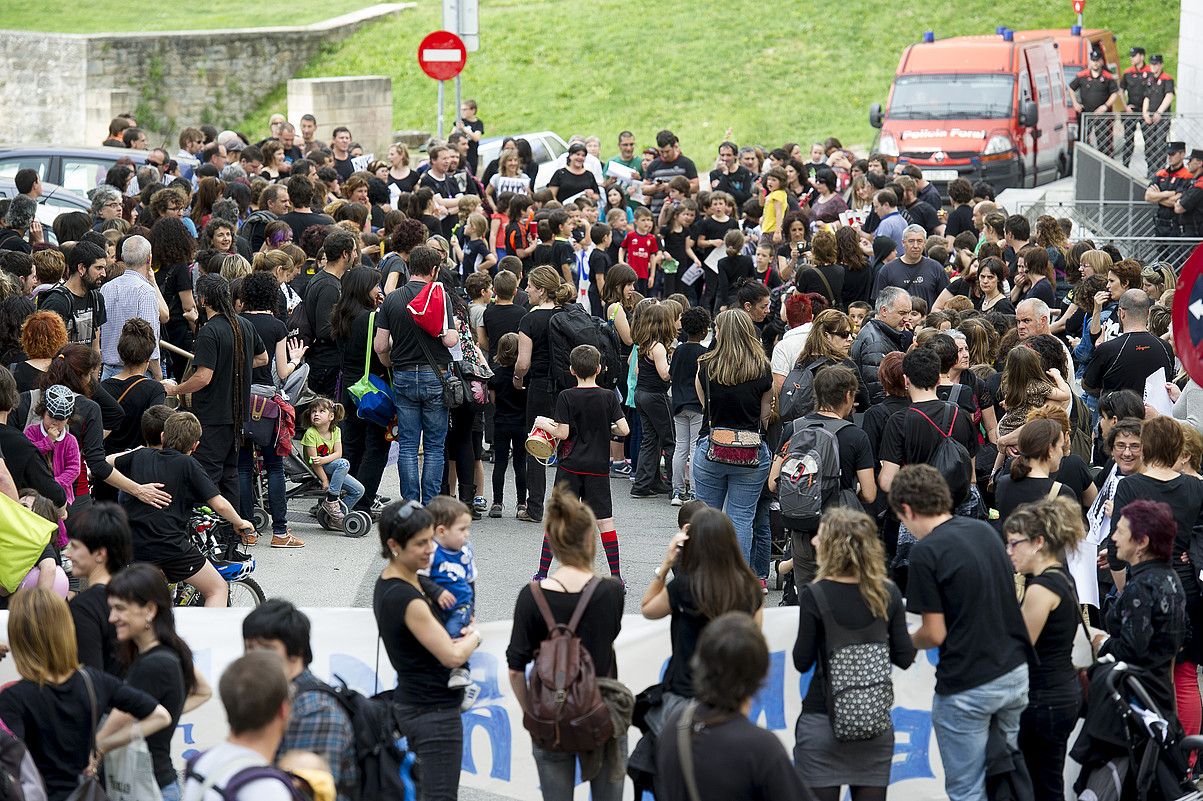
column 73, row 16
column 698, row 67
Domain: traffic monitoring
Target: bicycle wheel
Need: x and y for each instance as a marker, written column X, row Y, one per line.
column 246, row 593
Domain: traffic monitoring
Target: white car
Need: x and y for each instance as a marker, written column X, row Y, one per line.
column 545, row 147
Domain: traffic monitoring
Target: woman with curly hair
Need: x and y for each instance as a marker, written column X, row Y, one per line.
column 218, row 236
column 43, row 334
column 172, row 252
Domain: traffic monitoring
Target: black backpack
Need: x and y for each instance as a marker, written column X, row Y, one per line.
column 574, row 326
column 797, row 396
column 386, row 770
column 254, row 228
column 71, row 323
column 19, row 777
column 950, row 458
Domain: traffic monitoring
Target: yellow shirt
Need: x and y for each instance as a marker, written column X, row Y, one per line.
column 768, row 219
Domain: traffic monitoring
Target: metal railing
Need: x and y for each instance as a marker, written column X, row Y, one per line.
column 1136, row 144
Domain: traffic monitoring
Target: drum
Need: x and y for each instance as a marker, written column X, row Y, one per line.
column 541, row 445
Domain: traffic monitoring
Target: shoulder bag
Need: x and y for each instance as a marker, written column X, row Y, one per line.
column 89, row 787
column 373, row 398
column 685, row 750
column 733, row 446
column 453, row 389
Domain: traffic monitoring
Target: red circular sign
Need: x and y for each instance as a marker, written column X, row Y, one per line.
column 1078, row 6
column 1188, row 315
column 442, row 55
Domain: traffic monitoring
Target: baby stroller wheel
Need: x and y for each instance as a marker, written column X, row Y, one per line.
column 356, row 524
column 260, row 519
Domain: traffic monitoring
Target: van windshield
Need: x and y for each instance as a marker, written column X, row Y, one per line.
column 952, row 97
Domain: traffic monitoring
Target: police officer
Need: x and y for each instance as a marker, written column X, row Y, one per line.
column 1094, row 91
column 1190, row 206
column 1167, row 187
column 1155, row 122
column 1132, row 83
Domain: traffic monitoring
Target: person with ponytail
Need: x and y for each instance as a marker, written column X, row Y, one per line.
column 1041, row 447
column 569, row 525
column 227, row 349
column 850, row 587
column 157, row 661
column 548, row 293
column 1038, row 537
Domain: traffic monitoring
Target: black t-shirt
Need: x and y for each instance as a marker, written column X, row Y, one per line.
column 1126, row 361
column 589, row 413
column 712, row 229
column 811, row 280
column 95, row 637
column 909, row 439
column 321, row 294
column 1074, row 473
column 1053, row 667
column 407, row 184
column 271, row 332
column 354, row 347
column 83, row 316
column 683, row 370
column 599, row 626
column 27, row 376
column 562, row 253
column 509, row 402
column 140, row 393
column 445, row 188
column 298, row 221
column 734, row 759
column 961, row 571
column 661, row 172
column 599, row 265
column 55, row 722
column 731, row 270
column 877, row 417
column 686, row 626
column 960, row 219
column 923, row 214
column 421, row 678
column 159, row 534
column 856, row 453
column 344, row 167
column 1009, row 494
column 858, row 285
column 173, row 280
column 157, row 673
column 476, row 126
column 738, row 184
column 214, row 405
column 570, row 185
column 1184, row 496
column 647, row 377
column 1041, row 290
column 735, row 406
column 395, row 318
column 501, row 319
column 536, row 324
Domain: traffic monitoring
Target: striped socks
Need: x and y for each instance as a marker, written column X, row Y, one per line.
column 544, row 560
column 610, row 543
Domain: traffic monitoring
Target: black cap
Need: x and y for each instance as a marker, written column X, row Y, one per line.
column 1096, row 55
column 1175, row 147
column 1155, row 58
column 1136, row 51
column 1196, row 154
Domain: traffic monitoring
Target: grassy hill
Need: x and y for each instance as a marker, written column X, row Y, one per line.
column 699, row 67
column 72, row 16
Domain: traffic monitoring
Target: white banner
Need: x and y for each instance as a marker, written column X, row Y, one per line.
column 497, row 751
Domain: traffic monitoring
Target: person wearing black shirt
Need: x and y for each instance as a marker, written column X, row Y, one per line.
column 962, row 584
column 916, row 211
column 340, row 147
column 78, row 300
column 420, row 649
column 1128, row 360
column 322, row 292
column 960, row 219
column 300, row 194
column 446, row 190
column 573, row 179
column 1093, row 91
column 99, row 547
column 731, row 176
column 27, row 466
column 420, row 361
column 135, row 393
column 1041, row 445
column 669, row 165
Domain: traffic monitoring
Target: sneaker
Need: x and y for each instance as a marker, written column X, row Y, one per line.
column 334, row 509
column 460, row 677
column 538, row 577
column 495, row 510
column 764, row 586
column 287, row 541
column 678, row 499
column 471, row 693
column 648, row 493
column 474, row 512
column 525, row 516
column 620, row 469
column 480, row 503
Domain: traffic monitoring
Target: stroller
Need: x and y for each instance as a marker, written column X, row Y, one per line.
column 299, row 474
column 1129, row 749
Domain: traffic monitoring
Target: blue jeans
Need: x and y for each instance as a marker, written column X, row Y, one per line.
column 339, row 475
column 171, row 792
column 277, row 497
column 436, row 736
column 735, row 490
column 457, row 618
column 421, row 417
column 962, row 723
column 557, row 774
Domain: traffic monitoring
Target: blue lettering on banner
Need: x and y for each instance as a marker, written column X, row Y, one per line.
column 770, row 701
column 493, row 719
column 912, row 742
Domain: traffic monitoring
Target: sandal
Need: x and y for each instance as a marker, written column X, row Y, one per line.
column 287, row 541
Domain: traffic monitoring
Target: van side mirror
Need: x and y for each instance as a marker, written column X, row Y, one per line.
column 875, row 115
column 1029, row 114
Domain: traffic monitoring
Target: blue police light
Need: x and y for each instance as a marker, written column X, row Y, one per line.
column 929, row 36
column 1076, row 30
column 1008, row 35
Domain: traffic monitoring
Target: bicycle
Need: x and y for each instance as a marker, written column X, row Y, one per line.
column 217, row 541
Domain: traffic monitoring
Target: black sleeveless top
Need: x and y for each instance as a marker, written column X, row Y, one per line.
column 648, row 379
column 1054, row 646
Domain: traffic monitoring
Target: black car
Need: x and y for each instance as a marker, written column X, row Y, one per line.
column 75, row 169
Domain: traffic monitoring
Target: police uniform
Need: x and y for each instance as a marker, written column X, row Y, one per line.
column 1093, row 92
column 1165, row 221
column 1156, row 133
column 1192, row 202
column 1133, row 83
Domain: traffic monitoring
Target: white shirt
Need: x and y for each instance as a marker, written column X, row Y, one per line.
column 785, row 352
column 226, row 760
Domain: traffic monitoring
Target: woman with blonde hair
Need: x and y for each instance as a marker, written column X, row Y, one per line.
column 57, row 705
column 234, row 267
column 851, row 579
column 731, row 461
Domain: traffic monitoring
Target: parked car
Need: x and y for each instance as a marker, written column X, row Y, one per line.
column 986, row 108
column 53, row 201
column 545, row 148
column 75, row 169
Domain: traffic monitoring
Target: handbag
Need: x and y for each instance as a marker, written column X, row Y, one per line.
column 262, row 422
column 89, row 787
column 453, row 389
column 129, row 772
column 373, row 398
column 733, row 446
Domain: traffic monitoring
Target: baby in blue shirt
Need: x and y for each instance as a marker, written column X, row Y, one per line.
column 453, row 567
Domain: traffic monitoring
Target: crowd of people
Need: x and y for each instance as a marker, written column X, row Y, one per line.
column 894, row 402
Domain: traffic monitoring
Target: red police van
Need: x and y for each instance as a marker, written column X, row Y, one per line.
column 978, row 107
column 1073, row 48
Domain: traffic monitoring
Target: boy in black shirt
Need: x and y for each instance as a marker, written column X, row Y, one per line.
column 587, row 416
column 159, row 535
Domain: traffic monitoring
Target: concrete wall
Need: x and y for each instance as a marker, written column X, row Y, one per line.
column 1189, row 79
column 361, row 103
column 64, row 88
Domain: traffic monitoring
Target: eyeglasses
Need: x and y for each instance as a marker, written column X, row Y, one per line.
column 1011, row 544
column 154, row 163
column 115, row 204
column 1131, row 448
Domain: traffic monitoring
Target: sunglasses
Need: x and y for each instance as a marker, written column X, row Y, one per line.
column 842, row 334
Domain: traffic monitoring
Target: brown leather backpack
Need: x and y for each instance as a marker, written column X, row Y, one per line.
column 564, row 709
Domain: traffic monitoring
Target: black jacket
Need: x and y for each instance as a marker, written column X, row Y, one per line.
column 873, row 343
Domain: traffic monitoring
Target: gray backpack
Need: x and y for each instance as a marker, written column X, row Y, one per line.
column 810, row 475
column 797, row 396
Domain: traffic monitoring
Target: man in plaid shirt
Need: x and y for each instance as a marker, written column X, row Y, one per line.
column 317, row 723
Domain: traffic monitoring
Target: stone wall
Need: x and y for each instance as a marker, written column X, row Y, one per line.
column 361, row 103
column 64, row 88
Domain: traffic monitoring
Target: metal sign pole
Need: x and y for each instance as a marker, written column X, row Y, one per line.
column 441, row 109
column 459, row 98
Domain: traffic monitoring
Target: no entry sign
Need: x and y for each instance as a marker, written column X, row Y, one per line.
column 442, row 55
column 1188, row 315
column 1078, row 5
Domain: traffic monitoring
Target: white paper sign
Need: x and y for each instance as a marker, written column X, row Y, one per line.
column 716, row 255
column 361, row 163
column 1156, row 395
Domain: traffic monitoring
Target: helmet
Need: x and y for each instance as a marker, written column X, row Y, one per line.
column 235, row 571
column 60, row 402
